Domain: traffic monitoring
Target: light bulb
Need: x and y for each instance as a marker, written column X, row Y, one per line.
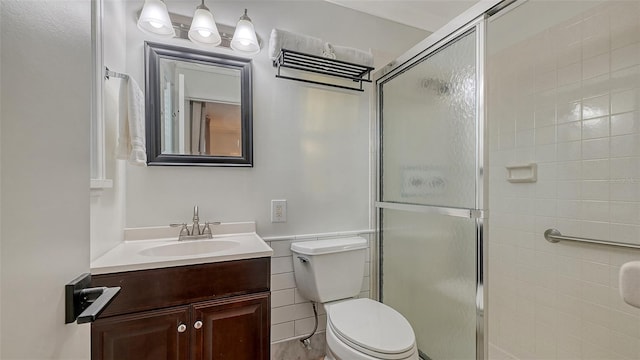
column 154, row 19
column 203, row 30
column 244, row 38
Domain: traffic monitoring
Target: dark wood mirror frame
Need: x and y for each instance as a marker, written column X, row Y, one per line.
column 154, row 52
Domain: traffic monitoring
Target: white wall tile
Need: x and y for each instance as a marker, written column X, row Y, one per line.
column 595, row 128
column 595, row 106
column 281, row 248
column 282, row 331
column 595, row 272
column 570, row 74
column 305, row 326
column 625, row 212
column 595, row 66
column 624, row 57
column 596, row 148
column 595, row 211
column 281, row 265
column 282, row 281
column 545, row 135
column 624, row 101
column 569, row 151
column 625, row 345
column 595, row 169
column 570, row 131
column 567, row 300
column 282, row 297
column 625, row 145
column 595, row 190
column 625, row 233
column 625, row 123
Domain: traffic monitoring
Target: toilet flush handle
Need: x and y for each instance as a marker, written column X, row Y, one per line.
column 303, row 259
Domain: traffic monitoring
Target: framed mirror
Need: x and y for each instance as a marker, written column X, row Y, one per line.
column 198, row 107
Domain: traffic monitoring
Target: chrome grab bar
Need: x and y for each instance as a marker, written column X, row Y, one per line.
column 554, row 236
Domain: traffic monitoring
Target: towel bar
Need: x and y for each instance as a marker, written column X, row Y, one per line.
column 108, row 73
column 554, row 236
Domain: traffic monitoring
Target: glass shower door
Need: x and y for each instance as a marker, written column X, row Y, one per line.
column 429, row 202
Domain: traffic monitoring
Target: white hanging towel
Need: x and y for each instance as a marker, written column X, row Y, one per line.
column 131, row 130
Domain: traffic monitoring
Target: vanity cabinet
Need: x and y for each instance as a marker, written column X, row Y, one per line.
column 197, row 312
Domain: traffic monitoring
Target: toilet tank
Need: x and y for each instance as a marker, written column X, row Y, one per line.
column 328, row 270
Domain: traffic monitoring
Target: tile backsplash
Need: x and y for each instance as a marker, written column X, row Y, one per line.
column 566, row 97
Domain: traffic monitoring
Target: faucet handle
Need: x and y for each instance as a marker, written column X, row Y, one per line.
column 207, row 228
column 183, row 229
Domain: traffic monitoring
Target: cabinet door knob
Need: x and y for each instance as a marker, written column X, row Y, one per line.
column 182, row 328
column 197, row 324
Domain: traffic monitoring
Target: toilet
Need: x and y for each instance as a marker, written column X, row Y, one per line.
column 330, row 272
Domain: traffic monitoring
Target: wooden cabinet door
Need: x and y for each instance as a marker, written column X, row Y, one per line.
column 231, row 329
column 150, row 335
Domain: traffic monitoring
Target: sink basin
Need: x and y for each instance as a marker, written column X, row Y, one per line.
column 189, row 248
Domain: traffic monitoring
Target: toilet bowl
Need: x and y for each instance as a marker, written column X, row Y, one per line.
column 330, row 272
column 364, row 329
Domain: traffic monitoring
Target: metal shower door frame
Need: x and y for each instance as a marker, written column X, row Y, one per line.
column 477, row 24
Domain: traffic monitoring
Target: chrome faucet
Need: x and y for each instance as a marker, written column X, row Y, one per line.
column 195, row 228
column 195, row 232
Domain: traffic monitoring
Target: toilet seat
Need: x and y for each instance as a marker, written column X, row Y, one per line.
column 371, row 328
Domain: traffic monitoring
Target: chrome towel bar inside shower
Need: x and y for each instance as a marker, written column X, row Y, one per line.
column 554, row 236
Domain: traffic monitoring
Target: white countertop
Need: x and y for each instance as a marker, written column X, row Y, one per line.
column 127, row 255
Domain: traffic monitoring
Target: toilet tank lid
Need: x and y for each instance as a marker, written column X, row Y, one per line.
column 318, row 247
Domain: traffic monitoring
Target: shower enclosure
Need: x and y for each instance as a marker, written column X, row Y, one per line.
column 518, row 117
column 431, row 202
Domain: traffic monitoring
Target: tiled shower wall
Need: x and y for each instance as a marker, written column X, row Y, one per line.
column 566, row 97
column 292, row 314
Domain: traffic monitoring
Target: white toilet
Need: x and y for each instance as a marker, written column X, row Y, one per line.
column 330, row 272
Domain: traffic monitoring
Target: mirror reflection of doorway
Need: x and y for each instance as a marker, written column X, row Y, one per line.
column 216, row 128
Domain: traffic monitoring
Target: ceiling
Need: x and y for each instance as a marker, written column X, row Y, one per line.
column 428, row 15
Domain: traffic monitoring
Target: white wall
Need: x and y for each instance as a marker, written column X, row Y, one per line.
column 311, row 144
column 0, row 187
column 46, row 82
column 566, row 97
column 108, row 206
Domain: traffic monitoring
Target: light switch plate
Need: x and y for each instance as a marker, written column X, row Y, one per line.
column 278, row 211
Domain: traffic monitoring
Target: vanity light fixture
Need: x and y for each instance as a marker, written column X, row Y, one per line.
column 244, row 38
column 154, row 19
column 203, row 28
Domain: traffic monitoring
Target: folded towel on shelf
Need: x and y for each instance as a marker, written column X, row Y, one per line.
column 352, row 55
column 131, row 131
column 328, row 51
column 281, row 39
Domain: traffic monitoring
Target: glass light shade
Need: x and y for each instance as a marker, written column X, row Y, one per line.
column 244, row 38
column 203, row 28
column 154, row 19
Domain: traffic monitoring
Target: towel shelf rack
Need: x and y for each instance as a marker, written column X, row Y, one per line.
column 324, row 66
column 554, row 236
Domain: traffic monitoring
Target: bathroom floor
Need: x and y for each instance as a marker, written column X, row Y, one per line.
column 294, row 350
